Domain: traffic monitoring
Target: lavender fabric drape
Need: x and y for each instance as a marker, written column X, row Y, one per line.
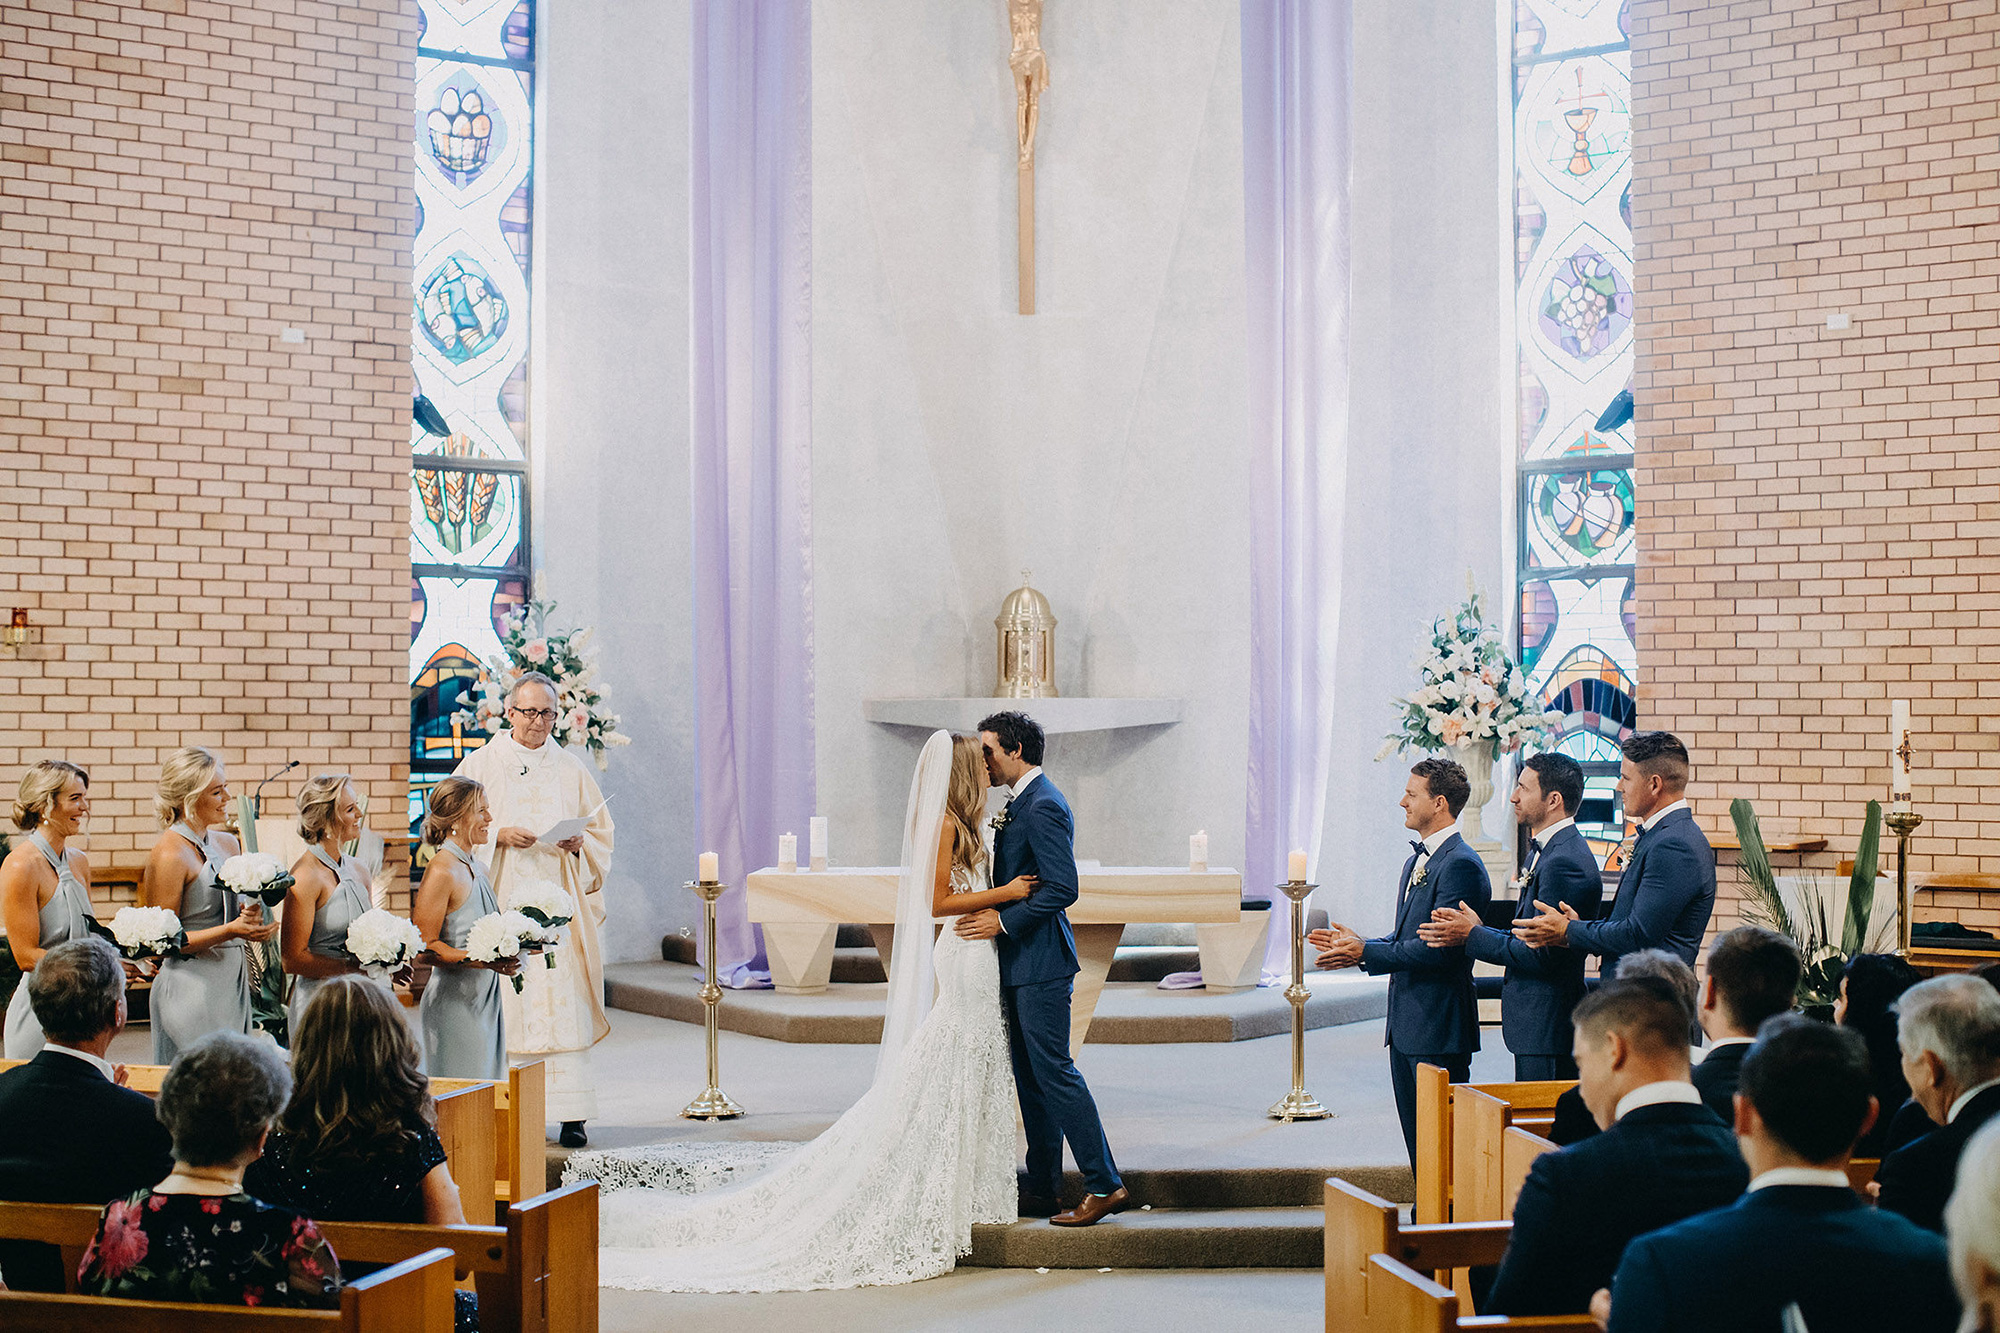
column 751, row 349
column 1295, row 212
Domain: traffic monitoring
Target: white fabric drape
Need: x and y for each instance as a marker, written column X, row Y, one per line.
column 912, row 971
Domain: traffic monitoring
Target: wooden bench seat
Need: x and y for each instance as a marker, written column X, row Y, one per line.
column 413, row 1296
column 1461, row 1174
column 536, row 1274
column 1402, row 1300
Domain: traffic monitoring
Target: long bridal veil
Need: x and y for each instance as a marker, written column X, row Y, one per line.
column 887, row 1193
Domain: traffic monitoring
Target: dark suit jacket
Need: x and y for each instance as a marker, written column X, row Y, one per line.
column 1543, row 985
column 1580, row 1207
column 1906, row 1123
column 1038, row 838
column 1849, row 1268
column 1715, row 1079
column 1917, row 1178
column 69, row 1135
column 1573, row 1123
column 1432, row 1008
column 1664, row 897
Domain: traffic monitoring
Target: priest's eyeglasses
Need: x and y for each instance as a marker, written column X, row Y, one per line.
column 534, row 714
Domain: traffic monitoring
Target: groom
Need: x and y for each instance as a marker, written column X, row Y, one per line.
column 1034, row 836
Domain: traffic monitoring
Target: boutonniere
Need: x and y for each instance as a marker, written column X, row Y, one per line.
column 1423, row 873
column 1005, row 817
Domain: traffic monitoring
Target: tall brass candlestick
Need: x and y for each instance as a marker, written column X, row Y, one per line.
column 713, row 1103
column 1298, row 1104
column 1903, row 823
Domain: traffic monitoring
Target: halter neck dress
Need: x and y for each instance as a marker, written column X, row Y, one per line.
column 196, row 994
column 66, row 916
column 329, row 930
column 460, row 1013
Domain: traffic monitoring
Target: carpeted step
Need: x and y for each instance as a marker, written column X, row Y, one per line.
column 1160, row 1238
column 1150, row 962
column 1251, row 1187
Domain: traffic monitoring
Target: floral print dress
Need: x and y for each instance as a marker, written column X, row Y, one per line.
column 211, row 1250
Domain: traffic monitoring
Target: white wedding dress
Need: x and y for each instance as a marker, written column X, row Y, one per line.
column 889, row 1193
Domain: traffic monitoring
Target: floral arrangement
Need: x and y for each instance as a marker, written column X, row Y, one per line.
column 257, row 874
column 1469, row 692
column 382, row 942
column 500, row 935
column 147, row 932
column 550, row 908
column 581, row 717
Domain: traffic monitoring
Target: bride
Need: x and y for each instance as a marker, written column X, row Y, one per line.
column 890, row 1191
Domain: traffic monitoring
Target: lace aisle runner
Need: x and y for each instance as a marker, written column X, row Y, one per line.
column 677, row 1168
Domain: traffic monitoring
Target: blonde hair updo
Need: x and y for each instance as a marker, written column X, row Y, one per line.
column 40, row 786
column 184, row 776
column 451, row 801
column 317, row 800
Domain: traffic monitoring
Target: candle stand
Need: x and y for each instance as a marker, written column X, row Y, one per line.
column 1298, row 1104
column 1903, row 823
column 713, row 1103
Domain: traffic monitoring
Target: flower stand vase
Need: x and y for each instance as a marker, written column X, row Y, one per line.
column 1477, row 761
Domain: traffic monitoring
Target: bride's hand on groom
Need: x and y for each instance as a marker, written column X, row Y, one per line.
column 978, row 925
column 1020, row 887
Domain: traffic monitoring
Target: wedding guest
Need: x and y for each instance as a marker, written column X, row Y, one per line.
column 1542, row 986
column 532, row 783
column 1433, row 1013
column 69, row 1133
column 1949, row 1031
column 1753, row 974
column 1573, row 1119
column 44, row 885
column 1800, row 1240
column 463, row 1036
column 329, row 892
column 1662, row 1155
column 1869, row 989
column 1667, row 890
column 197, row 1235
column 358, row 1141
column 206, row 986
column 1972, row 1230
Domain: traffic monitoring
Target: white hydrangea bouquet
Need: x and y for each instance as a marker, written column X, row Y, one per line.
column 147, row 932
column 382, row 942
column 582, row 717
column 550, row 908
column 500, row 935
column 1469, row 692
column 257, row 875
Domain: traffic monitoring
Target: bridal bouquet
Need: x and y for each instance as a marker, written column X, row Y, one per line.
column 549, row 907
column 382, row 942
column 147, row 932
column 1469, row 692
column 257, row 875
column 581, row 715
column 500, row 935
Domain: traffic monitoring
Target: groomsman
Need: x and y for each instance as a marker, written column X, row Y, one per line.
column 1542, row 985
column 1433, row 1014
column 1667, row 892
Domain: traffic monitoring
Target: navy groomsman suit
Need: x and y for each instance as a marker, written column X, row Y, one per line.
column 1664, row 897
column 1543, row 985
column 1917, row 1178
column 1038, row 967
column 1433, row 1013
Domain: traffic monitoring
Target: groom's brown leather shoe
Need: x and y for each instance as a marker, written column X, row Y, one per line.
column 1094, row 1209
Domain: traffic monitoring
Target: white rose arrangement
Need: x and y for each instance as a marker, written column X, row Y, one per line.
column 382, row 942
column 1469, row 692
column 147, row 932
column 500, row 935
column 257, row 874
column 550, row 908
column 582, row 715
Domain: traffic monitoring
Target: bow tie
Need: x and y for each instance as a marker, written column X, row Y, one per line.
column 1534, row 846
column 1420, row 849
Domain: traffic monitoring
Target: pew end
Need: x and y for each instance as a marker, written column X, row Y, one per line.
column 1402, row 1300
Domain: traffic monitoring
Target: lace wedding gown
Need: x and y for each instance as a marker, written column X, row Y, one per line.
column 887, row 1194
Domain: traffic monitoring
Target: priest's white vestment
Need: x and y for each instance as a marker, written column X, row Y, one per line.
column 559, row 1014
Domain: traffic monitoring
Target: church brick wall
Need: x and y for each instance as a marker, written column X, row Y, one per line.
column 1819, row 509
column 207, row 523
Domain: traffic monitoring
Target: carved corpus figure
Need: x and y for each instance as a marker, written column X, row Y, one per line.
column 1031, row 72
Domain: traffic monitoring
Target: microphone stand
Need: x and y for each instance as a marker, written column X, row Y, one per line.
column 257, row 800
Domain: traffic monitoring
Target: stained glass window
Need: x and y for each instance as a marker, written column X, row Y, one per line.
column 1572, row 156
column 469, row 528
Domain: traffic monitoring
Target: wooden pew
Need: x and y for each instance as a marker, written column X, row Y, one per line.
column 1518, row 1151
column 1860, row 1172
column 413, row 1296
column 537, row 1274
column 465, row 1125
column 1441, row 1139
column 1402, row 1300
column 1360, row 1226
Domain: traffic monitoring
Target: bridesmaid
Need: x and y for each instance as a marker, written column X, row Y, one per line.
column 331, row 890
column 44, row 885
column 206, row 988
column 463, row 1037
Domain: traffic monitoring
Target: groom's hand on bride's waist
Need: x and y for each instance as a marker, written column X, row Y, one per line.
column 978, row 925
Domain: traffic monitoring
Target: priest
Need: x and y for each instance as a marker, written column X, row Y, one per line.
column 533, row 784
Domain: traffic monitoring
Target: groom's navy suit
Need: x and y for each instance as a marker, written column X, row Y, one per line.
column 1543, row 985
column 1037, row 972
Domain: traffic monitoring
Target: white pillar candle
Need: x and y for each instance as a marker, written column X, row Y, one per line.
column 711, row 867
column 1900, row 753
column 1198, row 851
column 1295, row 868
column 816, row 841
column 788, row 851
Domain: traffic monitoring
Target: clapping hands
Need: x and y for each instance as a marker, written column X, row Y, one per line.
column 1448, row 926
column 1336, row 946
column 1549, row 927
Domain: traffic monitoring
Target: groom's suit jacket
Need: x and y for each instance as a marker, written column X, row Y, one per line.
column 1432, row 1008
column 1037, row 838
column 1543, row 985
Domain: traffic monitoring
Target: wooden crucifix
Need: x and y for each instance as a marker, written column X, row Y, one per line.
column 1031, row 79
